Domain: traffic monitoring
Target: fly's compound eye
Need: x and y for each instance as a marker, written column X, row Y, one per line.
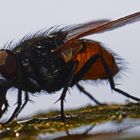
column 8, row 64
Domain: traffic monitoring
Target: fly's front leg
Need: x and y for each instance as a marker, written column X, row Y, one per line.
column 4, row 86
column 19, row 102
column 3, row 102
column 24, row 104
column 5, row 107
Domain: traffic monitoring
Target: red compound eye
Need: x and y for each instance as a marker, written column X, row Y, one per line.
column 8, row 64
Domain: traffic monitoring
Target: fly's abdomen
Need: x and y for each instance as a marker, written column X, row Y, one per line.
column 97, row 71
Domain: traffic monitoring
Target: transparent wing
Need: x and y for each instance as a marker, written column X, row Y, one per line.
column 84, row 27
column 100, row 26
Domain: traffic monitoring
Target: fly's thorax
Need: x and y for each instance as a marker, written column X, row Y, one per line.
column 52, row 73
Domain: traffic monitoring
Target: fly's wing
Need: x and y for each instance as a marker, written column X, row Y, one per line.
column 82, row 30
column 84, row 27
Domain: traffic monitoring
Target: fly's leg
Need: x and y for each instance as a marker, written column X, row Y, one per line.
column 3, row 102
column 5, row 107
column 88, row 94
column 4, row 86
column 67, row 84
column 62, row 98
column 84, row 69
column 111, row 81
column 89, row 64
column 19, row 102
column 24, row 104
